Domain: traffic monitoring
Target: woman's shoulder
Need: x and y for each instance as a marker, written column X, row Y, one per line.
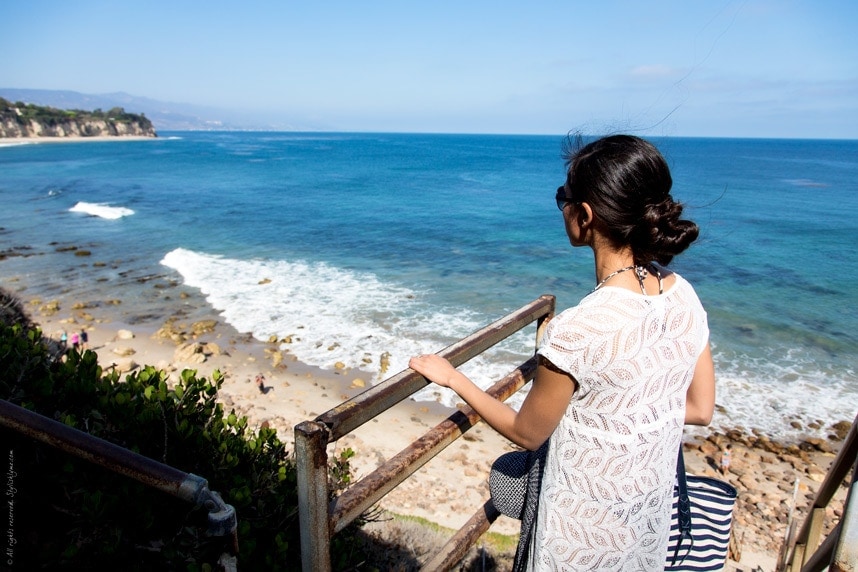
column 683, row 287
column 598, row 310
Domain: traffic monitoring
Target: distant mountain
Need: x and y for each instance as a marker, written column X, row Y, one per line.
column 165, row 116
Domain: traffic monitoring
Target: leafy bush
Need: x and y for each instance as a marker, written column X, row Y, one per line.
column 71, row 514
column 11, row 310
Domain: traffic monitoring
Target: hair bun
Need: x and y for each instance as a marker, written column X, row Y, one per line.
column 627, row 183
column 667, row 233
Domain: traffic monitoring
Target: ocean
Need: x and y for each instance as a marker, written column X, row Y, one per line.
column 363, row 245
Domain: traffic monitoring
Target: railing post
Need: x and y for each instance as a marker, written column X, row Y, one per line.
column 311, row 440
column 542, row 322
column 846, row 553
column 786, row 547
column 817, row 515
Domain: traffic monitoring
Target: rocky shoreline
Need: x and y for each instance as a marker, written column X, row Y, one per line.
column 767, row 474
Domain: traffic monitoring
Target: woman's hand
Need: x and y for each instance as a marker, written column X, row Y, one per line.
column 434, row 368
column 541, row 411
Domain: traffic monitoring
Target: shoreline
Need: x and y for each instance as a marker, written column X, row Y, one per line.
column 16, row 141
column 453, row 485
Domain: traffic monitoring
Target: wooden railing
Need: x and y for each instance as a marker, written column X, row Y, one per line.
column 321, row 518
column 839, row 551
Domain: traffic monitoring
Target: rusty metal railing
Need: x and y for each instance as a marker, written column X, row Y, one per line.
column 186, row 486
column 839, row 551
column 321, row 517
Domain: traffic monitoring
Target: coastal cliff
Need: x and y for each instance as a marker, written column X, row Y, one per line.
column 21, row 120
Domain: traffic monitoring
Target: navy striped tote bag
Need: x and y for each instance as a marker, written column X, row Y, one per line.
column 700, row 523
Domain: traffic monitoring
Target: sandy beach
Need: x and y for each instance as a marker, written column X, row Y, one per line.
column 8, row 142
column 450, row 488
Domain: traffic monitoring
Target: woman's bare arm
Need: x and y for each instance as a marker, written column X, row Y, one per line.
column 700, row 397
column 551, row 391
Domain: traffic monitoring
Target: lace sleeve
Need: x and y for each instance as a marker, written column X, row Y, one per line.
column 569, row 341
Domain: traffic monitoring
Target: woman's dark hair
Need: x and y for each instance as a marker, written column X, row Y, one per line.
column 627, row 182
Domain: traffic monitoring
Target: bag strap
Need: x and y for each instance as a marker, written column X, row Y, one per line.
column 536, row 467
column 683, row 505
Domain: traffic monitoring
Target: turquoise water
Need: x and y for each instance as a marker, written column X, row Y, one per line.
column 361, row 244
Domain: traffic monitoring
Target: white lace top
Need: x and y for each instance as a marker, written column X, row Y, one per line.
column 607, row 488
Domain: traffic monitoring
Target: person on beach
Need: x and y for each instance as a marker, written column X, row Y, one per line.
column 75, row 341
column 726, row 454
column 84, row 340
column 260, row 383
column 64, row 341
column 618, row 374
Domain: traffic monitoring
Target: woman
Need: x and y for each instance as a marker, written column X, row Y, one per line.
column 618, row 374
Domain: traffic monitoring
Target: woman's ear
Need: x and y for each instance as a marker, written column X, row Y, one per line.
column 585, row 214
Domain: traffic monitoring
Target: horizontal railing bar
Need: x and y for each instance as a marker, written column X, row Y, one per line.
column 186, row 486
column 456, row 548
column 370, row 489
column 353, row 413
column 78, row 443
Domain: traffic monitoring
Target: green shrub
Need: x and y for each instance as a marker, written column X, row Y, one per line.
column 72, row 514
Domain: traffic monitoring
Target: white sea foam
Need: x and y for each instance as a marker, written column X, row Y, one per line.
column 783, row 397
column 334, row 315
column 101, row 210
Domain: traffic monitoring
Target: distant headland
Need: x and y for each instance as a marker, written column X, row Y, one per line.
column 27, row 121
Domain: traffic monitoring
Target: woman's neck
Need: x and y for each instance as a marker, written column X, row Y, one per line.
column 609, row 260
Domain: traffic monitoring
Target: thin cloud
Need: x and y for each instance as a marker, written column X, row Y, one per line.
column 656, row 71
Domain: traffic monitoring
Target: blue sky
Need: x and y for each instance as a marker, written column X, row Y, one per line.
column 752, row 68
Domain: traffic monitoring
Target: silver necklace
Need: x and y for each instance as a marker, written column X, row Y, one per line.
column 641, row 273
column 612, row 274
